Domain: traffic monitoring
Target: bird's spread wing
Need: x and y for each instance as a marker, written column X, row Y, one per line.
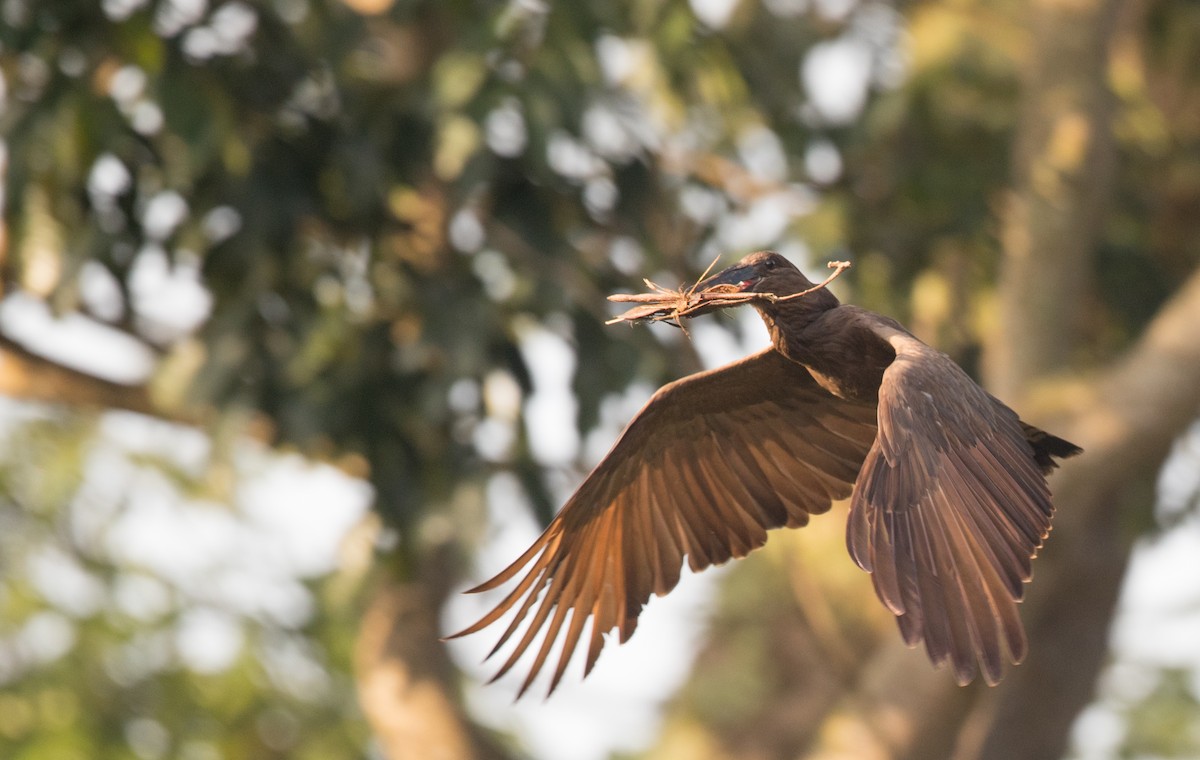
column 706, row 467
column 948, row 511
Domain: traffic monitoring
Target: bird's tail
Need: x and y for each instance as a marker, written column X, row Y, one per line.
column 1047, row 448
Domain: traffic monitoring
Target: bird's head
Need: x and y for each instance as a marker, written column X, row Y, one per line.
column 768, row 272
column 765, row 272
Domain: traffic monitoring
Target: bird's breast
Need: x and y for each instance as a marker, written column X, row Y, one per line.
column 838, row 346
column 848, row 363
column 853, row 386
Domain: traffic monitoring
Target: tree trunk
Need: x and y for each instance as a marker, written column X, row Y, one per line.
column 1126, row 420
column 406, row 682
column 1062, row 183
column 1126, row 423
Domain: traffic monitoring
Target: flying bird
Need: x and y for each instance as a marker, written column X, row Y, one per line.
column 949, row 501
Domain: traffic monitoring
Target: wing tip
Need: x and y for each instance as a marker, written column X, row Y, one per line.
column 475, row 627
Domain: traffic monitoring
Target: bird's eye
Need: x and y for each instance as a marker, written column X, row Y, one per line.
column 770, row 263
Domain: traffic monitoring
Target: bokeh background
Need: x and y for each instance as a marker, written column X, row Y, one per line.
column 302, row 330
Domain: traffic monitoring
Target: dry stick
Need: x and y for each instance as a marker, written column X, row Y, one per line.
column 661, row 295
column 837, row 266
column 664, row 304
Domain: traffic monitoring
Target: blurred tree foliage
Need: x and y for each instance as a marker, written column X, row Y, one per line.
column 93, row 657
column 385, row 200
column 383, row 205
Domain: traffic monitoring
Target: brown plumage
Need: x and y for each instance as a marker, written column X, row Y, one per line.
column 949, row 502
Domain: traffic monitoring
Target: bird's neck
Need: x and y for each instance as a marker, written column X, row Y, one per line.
column 843, row 357
column 787, row 321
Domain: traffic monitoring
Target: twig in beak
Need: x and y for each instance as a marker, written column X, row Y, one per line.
column 674, row 305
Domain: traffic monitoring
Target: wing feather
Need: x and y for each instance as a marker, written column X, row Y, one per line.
column 948, row 512
column 702, row 472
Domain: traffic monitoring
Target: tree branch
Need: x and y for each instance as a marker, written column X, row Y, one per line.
column 26, row 375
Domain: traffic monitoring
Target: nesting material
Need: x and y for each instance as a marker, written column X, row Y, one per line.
column 663, row 304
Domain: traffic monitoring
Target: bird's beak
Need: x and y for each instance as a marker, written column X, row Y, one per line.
column 740, row 277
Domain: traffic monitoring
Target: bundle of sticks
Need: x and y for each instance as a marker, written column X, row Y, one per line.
column 663, row 304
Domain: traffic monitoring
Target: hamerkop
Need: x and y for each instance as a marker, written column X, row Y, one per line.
column 949, row 502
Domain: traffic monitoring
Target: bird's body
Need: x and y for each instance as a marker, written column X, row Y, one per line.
column 949, row 499
column 823, row 344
